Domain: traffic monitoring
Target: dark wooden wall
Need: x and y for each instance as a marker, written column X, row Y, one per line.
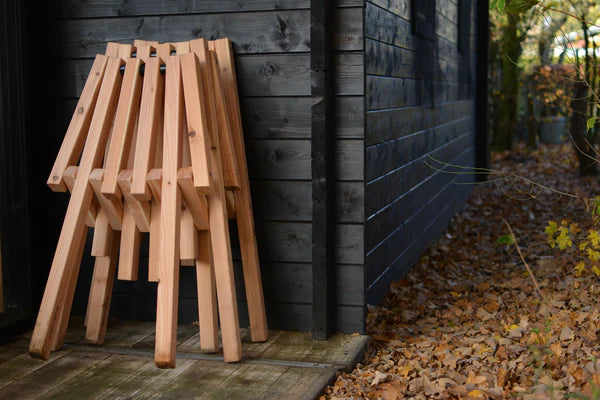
column 272, row 45
column 419, row 102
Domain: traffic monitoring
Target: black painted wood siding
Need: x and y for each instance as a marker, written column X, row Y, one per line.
column 272, row 46
column 419, row 103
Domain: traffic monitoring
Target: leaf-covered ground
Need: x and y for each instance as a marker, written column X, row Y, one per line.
column 467, row 322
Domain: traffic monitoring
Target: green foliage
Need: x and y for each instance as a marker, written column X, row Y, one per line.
column 587, row 248
column 505, row 239
column 591, row 122
column 498, row 4
column 521, row 6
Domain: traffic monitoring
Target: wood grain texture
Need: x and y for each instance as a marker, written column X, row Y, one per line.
column 140, row 210
column 69, row 179
column 188, row 242
column 221, row 251
column 62, row 323
column 198, row 120
column 168, row 272
column 224, row 71
column 252, row 32
column 194, row 202
column 101, row 293
column 151, row 105
column 207, row 295
column 123, row 130
column 75, row 216
column 72, row 145
column 113, row 208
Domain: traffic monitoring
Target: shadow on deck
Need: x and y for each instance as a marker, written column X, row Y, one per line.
column 288, row 366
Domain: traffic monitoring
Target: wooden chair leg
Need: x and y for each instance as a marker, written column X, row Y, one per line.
column 62, row 323
column 243, row 202
column 207, row 295
column 100, row 297
column 75, row 216
column 168, row 273
column 197, row 65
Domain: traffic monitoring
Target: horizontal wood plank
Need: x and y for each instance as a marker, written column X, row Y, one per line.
column 382, row 126
column 387, row 156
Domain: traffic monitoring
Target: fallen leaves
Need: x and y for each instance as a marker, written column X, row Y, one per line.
column 466, row 321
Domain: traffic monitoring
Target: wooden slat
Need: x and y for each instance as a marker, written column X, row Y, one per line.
column 230, row 197
column 154, row 241
column 125, row 51
column 207, row 295
column 112, row 49
column 129, row 254
column 154, row 182
column 140, row 210
column 228, row 157
column 69, row 178
column 182, row 47
column 102, row 235
column 72, row 145
column 74, row 220
column 140, row 42
column 150, row 111
column 168, row 284
column 243, row 200
column 144, row 51
column 219, row 121
column 198, row 118
column 221, row 252
column 125, row 119
column 112, row 208
column 99, row 302
column 62, row 322
column 163, row 50
column 188, row 249
column 194, row 202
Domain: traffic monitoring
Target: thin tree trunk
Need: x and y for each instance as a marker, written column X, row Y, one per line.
column 585, row 152
column 511, row 52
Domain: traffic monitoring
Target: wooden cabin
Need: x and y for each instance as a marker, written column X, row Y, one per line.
column 342, row 103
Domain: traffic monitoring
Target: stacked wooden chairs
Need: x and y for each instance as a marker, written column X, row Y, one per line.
column 156, row 145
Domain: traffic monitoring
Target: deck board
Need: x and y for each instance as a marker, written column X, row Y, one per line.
column 288, row 365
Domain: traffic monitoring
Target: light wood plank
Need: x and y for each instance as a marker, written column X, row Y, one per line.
column 102, row 235
column 99, row 302
column 155, row 182
column 243, row 200
column 228, row 157
column 207, row 295
column 188, row 243
column 123, row 131
column 154, row 241
column 168, row 284
column 140, row 42
column 129, row 254
column 198, row 120
column 112, row 49
column 148, row 129
column 74, row 139
column 112, row 208
column 194, row 202
column 139, row 209
column 230, row 197
column 69, row 178
column 221, row 251
column 74, row 220
column 62, row 323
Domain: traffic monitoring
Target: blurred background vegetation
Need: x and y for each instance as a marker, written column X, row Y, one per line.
column 544, row 75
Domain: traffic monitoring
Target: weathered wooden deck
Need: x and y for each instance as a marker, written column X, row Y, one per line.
column 288, row 366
